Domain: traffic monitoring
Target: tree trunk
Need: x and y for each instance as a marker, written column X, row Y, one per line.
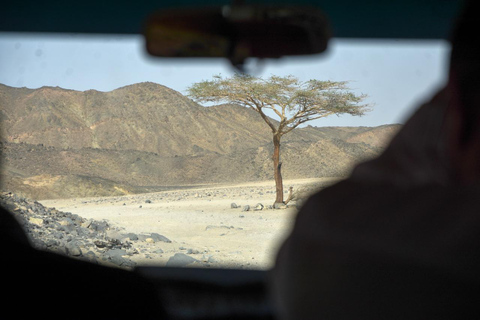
column 277, row 167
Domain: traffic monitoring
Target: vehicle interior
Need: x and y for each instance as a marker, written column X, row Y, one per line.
column 233, row 31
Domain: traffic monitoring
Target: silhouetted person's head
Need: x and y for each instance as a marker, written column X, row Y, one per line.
column 465, row 65
column 464, row 88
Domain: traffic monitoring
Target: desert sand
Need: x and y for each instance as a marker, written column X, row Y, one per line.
column 200, row 221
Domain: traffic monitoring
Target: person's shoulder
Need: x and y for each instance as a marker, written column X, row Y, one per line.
column 353, row 200
column 366, row 206
column 349, row 191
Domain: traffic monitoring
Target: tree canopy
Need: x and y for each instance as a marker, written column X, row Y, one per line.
column 293, row 101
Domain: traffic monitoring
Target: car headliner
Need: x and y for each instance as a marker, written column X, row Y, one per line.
column 397, row 19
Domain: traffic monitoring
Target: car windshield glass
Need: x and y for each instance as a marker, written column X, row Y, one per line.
column 115, row 157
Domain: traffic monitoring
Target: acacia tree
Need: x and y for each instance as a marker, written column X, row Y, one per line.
column 292, row 101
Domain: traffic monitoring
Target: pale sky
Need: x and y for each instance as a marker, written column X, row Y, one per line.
column 396, row 75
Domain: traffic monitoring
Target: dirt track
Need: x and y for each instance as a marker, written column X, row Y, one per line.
column 200, row 222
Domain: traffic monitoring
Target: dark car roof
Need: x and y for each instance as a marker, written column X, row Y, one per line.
column 400, row 19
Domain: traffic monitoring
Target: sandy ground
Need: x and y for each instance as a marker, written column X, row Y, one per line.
column 200, row 221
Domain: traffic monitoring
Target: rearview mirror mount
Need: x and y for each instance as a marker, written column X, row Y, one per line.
column 237, row 32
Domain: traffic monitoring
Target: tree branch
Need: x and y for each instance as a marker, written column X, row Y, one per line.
column 265, row 118
column 300, row 121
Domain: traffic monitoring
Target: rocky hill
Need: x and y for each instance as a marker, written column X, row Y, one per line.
column 145, row 117
column 61, row 143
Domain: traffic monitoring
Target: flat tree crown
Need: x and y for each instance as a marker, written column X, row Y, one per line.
column 293, row 101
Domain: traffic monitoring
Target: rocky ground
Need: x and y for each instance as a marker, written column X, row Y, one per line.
column 219, row 226
column 69, row 234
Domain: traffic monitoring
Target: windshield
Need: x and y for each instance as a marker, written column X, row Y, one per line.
column 110, row 156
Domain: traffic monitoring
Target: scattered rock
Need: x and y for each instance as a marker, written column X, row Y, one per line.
column 246, row 208
column 115, row 253
column 37, row 221
column 258, row 207
column 218, row 227
column 233, row 205
column 100, row 226
column 131, row 236
column 65, row 233
column 116, row 256
column 73, row 249
column 159, row 238
column 209, row 258
column 180, row 260
column 279, row 205
column 90, row 256
column 100, row 243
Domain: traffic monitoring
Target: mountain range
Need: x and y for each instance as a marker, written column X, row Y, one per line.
column 59, row 143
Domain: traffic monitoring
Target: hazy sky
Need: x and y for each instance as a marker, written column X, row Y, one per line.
column 396, row 75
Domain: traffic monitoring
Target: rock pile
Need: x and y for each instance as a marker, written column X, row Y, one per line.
column 71, row 235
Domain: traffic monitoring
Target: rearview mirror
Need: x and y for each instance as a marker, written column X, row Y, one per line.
column 237, row 32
